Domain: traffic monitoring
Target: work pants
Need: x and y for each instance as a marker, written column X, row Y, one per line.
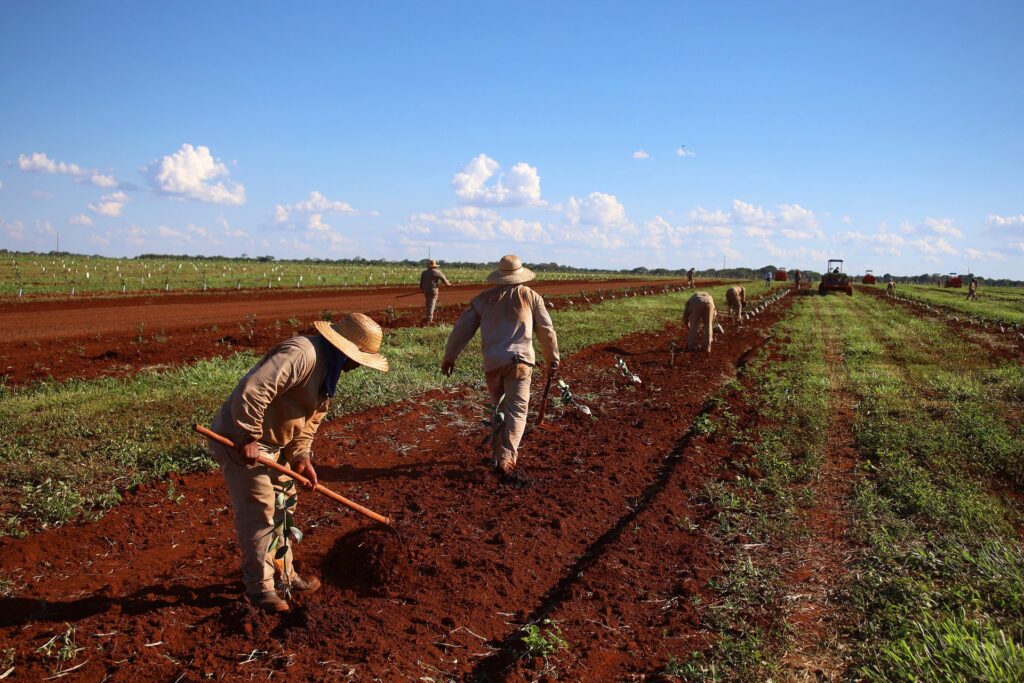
column 258, row 520
column 430, row 302
column 513, row 382
column 702, row 318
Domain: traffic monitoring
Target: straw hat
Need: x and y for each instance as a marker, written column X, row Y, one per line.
column 358, row 337
column 510, row 272
column 431, row 263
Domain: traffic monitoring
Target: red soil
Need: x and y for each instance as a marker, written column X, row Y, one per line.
column 91, row 337
column 152, row 588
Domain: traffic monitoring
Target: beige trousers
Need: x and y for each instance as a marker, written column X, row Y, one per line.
column 700, row 315
column 253, row 492
column 513, row 382
column 430, row 302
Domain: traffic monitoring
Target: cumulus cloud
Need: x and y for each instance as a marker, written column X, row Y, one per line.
column 694, row 239
column 39, row 162
column 932, row 226
column 682, row 152
column 80, row 219
column 472, row 224
column 109, row 204
column 598, row 220
column 307, row 217
column 1006, row 221
column 189, row 174
column 229, row 231
column 932, row 247
column 519, row 187
column 641, row 154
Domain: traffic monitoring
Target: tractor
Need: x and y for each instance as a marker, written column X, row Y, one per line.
column 954, row 281
column 781, row 275
column 834, row 279
column 869, row 277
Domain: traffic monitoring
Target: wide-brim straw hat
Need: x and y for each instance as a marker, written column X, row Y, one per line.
column 431, row 264
column 510, row 272
column 358, row 337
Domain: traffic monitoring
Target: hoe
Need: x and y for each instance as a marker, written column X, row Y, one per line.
column 320, row 488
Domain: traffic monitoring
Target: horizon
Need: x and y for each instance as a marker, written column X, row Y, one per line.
column 590, row 135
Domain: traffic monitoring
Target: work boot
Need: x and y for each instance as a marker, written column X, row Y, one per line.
column 301, row 585
column 268, row 601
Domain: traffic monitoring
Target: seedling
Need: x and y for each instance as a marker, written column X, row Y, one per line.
column 569, row 399
column 284, row 530
column 625, row 372
column 495, row 422
column 541, row 642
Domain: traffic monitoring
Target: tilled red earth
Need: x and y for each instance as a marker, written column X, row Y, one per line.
column 103, row 336
column 594, row 538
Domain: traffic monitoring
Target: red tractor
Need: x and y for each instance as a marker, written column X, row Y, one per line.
column 954, row 281
column 781, row 275
column 869, row 277
column 834, row 279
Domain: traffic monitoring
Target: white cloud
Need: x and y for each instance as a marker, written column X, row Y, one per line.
column 80, row 219
column 109, row 204
column 188, row 174
column 682, row 152
column 14, row 230
column 229, row 231
column 520, row 187
column 472, row 224
column 38, row 162
column 641, row 154
column 317, row 204
column 932, row 226
column 1006, row 221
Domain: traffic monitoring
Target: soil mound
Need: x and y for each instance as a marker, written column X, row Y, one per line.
column 370, row 560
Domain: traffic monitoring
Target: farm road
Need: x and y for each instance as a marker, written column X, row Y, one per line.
column 44, row 321
column 151, row 588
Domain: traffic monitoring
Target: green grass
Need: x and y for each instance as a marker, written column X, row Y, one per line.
column 939, row 593
column 72, row 447
column 994, row 303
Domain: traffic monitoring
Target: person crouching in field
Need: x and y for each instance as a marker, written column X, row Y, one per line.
column 689, row 278
column 430, row 279
column 507, row 315
column 699, row 314
column 275, row 411
column 736, row 297
column 890, row 288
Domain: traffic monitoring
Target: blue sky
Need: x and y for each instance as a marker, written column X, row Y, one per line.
column 888, row 134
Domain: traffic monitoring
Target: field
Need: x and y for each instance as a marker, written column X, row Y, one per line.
column 66, row 274
column 834, row 492
column 1000, row 304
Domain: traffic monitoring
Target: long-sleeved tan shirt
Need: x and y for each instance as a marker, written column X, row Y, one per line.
column 429, row 279
column 280, row 401
column 506, row 316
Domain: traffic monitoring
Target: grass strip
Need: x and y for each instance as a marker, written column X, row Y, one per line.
column 940, row 593
column 994, row 303
column 72, row 447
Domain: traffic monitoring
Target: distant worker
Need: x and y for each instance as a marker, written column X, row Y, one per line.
column 699, row 315
column 768, row 279
column 972, row 290
column 429, row 280
column 275, row 411
column 890, row 288
column 689, row 279
column 736, row 298
column 797, row 277
column 507, row 315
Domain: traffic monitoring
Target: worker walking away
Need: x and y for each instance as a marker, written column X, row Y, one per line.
column 736, row 298
column 768, row 279
column 700, row 315
column 689, row 278
column 797, row 278
column 430, row 280
column 890, row 288
column 274, row 412
column 507, row 315
column 972, row 290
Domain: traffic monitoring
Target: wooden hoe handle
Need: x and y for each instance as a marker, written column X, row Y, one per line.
column 402, row 296
column 320, row 488
column 544, row 399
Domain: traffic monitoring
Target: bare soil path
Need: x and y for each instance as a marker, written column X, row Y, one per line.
column 151, row 589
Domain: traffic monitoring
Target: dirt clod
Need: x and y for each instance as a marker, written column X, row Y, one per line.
column 369, row 560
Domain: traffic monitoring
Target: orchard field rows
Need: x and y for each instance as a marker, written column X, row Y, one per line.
column 835, row 492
